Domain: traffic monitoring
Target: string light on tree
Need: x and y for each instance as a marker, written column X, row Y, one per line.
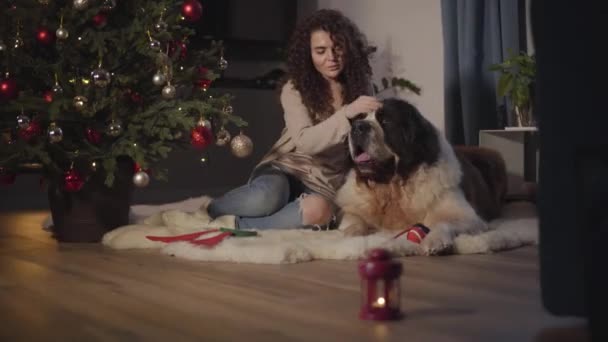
column 2, row 46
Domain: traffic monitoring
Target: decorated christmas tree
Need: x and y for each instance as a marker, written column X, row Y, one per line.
column 85, row 83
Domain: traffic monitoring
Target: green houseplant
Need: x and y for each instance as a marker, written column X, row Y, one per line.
column 517, row 77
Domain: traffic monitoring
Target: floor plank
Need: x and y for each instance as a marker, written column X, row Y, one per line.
column 53, row 291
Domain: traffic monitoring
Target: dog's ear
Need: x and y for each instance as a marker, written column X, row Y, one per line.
column 418, row 143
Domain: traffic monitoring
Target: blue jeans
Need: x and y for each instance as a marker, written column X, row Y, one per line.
column 270, row 200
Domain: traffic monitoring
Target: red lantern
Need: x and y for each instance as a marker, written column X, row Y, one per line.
column 192, row 10
column 380, row 291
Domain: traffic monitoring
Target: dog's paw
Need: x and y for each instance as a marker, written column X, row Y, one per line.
column 439, row 241
column 357, row 230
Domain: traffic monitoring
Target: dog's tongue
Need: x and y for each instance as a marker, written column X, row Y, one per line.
column 362, row 158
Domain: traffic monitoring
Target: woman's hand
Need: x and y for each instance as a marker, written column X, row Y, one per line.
column 363, row 104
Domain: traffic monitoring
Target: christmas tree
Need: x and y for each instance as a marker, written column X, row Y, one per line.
column 86, row 82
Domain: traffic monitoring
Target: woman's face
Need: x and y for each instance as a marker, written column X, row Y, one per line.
column 326, row 57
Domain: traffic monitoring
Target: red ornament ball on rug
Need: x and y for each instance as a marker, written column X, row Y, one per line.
column 73, row 181
column 192, row 10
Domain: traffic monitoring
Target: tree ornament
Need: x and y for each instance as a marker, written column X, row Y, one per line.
column 228, row 110
column 380, row 290
column 44, row 36
column 222, row 63
column 99, row 20
column 192, row 10
column 62, row 33
column 181, row 46
column 93, row 135
column 23, row 121
column 31, row 131
column 3, row 46
column 79, row 102
column 222, row 137
column 17, row 42
column 55, row 133
column 203, row 84
column 108, row 5
column 241, row 146
column 72, row 180
column 168, row 91
column 48, row 96
column 114, row 128
column 154, row 45
column 201, row 135
column 101, row 77
column 159, row 79
column 141, row 179
column 160, row 26
column 81, row 4
column 57, row 89
column 8, row 88
column 7, row 177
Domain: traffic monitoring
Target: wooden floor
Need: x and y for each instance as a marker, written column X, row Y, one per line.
column 50, row 291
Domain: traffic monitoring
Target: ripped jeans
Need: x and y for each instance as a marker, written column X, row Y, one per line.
column 271, row 199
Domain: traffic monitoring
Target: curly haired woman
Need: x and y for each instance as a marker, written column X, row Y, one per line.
column 293, row 185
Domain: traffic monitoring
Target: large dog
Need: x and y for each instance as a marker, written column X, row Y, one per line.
column 406, row 173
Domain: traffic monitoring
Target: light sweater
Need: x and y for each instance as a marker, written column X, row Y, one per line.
column 315, row 154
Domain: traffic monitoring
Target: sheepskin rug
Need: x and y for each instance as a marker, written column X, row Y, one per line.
column 517, row 227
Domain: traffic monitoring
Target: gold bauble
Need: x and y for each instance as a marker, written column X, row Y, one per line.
column 241, row 146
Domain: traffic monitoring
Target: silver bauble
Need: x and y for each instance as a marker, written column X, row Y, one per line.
column 222, row 63
column 55, row 133
column 222, row 137
column 79, row 102
column 141, row 179
column 81, row 4
column 159, row 79
column 62, row 33
column 101, row 77
column 114, row 128
column 160, row 26
column 228, row 109
column 154, row 45
column 57, row 89
column 168, row 91
column 108, row 5
column 2, row 47
column 241, row 146
column 23, row 121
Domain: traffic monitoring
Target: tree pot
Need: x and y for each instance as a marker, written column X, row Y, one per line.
column 86, row 215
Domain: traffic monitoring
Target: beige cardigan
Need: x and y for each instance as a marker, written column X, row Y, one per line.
column 315, row 154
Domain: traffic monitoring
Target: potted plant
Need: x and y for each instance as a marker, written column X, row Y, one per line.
column 517, row 77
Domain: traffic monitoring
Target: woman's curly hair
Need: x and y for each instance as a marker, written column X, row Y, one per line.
column 313, row 88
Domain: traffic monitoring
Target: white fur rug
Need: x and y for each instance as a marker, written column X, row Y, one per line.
column 517, row 227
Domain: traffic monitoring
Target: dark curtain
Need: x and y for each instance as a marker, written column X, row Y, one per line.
column 477, row 34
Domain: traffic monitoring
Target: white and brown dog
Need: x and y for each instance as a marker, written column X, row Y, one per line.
column 406, row 173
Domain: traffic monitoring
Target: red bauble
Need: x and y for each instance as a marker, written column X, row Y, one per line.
column 181, row 45
column 72, row 181
column 192, row 10
column 7, row 177
column 8, row 89
column 100, row 19
column 203, row 84
column 44, row 36
column 93, row 136
column 201, row 137
column 48, row 96
column 31, row 131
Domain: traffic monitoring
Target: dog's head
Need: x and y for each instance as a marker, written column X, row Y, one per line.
column 395, row 139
